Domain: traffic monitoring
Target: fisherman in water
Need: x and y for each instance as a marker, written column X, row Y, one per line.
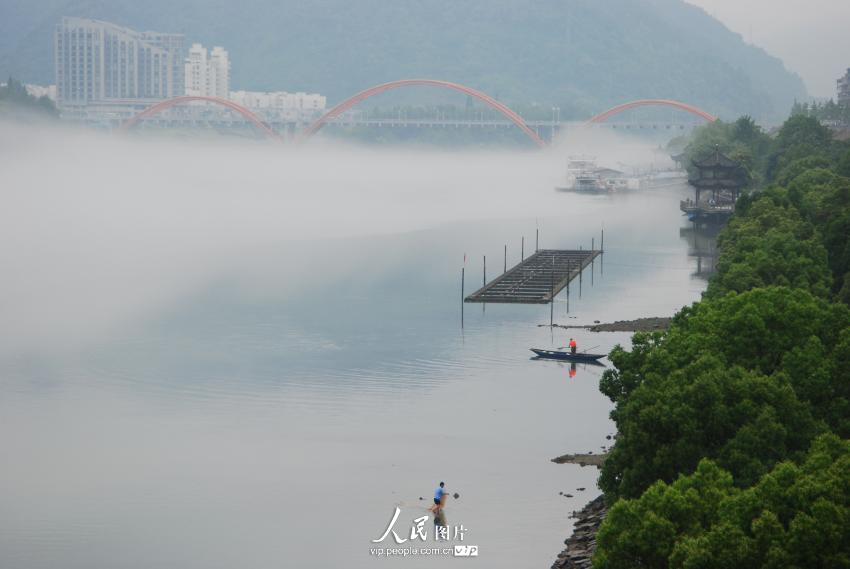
column 573, row 346
column 439, row 496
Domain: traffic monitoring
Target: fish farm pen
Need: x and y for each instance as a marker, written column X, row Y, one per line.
column 537, row 279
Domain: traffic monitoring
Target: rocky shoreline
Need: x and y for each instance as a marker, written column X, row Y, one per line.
column 588, row 459
column 653, row 324
column 581, row 545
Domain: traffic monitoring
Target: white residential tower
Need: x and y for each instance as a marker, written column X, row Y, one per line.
column 207, row 73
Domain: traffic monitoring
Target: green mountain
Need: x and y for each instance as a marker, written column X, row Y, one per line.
column 582, row 55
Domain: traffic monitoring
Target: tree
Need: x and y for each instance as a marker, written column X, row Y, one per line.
column 830, row 111
column 798, row 167
column 643, row 532
column 801, row 136
column 709, row 469
column 745, row 420
column 843, row 168
column 617, row 384
column 823, row 198
column 16, row 101
column 771, row 245
column 721, row 384
column 797, row 515
column 756, row 329
column 743, row 141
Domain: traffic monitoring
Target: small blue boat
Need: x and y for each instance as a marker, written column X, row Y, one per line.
column 568, row 356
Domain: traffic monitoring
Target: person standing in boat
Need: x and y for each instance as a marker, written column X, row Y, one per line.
column 573, row 346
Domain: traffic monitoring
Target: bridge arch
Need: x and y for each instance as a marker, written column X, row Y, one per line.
column 651, row 103
column 377, row 89
column 168, row 103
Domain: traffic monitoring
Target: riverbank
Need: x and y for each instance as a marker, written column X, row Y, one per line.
column 580, row 546
column 587, row 459
column 582, row 542
column 651, row 324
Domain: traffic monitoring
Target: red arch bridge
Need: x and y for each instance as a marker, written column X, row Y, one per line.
column 158, row 108
column 338, row 114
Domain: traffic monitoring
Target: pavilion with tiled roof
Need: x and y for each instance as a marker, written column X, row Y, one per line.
column 724, row 178
column 718, row 173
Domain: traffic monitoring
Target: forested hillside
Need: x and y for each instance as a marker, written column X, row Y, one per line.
column 582, row 55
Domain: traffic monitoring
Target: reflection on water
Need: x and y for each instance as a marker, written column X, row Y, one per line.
column 588, row 369
column 702, row 246
column 272, row 409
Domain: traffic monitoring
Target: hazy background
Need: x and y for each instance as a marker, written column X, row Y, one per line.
column 809, row 35
column 583, row 56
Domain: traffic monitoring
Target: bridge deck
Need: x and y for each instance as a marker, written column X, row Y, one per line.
column 537, row 279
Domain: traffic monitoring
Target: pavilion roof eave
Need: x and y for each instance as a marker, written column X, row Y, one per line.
column 717, row 160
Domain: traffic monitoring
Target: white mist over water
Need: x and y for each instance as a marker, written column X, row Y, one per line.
column 98, row 228
column 226, row 354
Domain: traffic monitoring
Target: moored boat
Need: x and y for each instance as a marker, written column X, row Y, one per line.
column 569, row 356
column 584, row 176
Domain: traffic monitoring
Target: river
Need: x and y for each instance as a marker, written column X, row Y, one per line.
column 269, row 401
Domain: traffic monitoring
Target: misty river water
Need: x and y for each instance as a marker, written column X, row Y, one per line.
column 230, row 355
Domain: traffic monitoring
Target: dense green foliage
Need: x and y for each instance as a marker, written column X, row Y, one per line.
column 826, row 111
column 771, row 245
column 823, row 197
column 715, row 464
column 581, row 55
column 743, row 141
column 724, row 383
column 795, row 516
column 799, row 138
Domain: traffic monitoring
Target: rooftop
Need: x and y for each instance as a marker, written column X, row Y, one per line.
column 716, row 160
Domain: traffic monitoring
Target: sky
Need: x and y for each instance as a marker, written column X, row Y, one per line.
column 810, row 36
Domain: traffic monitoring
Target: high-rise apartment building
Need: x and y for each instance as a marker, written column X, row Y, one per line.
column 174, row 46
column 196, row 69
column 219, row 73
column 207, row 73
column 100, row 62
column 844, row 89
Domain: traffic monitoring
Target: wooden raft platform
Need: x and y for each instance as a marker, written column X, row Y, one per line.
column 537, row 279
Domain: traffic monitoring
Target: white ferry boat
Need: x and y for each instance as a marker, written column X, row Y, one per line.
column 583, row 175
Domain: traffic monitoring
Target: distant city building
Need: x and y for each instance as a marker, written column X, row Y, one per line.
column 844, row 89
column 280, row 104
column 219, row 73
column 207, row 73
column 101, row 62
column 106, row 74
column 196, row 71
